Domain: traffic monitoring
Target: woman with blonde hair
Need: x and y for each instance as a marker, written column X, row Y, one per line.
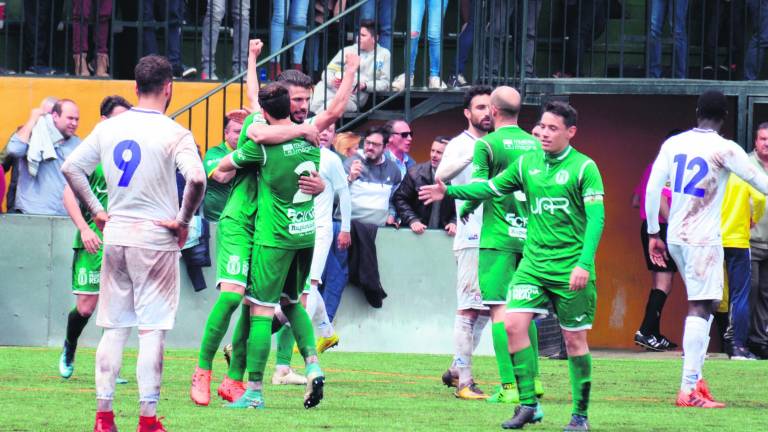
column 346, row 144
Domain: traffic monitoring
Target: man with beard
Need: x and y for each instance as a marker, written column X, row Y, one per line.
column 471, row 315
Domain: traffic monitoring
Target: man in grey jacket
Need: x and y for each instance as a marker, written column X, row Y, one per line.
column 373, row 74
column 758, row 335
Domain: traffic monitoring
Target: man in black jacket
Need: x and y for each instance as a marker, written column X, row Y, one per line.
column 412, row 212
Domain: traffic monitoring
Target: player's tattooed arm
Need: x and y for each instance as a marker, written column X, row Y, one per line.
column 338, row 105
column 90, row 239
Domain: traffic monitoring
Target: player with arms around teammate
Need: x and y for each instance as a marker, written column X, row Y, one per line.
column 505, row 219
column 140, row 151
column 697, row 164
column 564, row 192
column 234, row 246
column 283, row 241
column 471, row 314
column 86, row 267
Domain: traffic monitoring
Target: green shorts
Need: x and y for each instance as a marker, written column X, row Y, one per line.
column 495, row 270
column 86, row 272
column 234, row 244
column 278, row 273
column 530, row 293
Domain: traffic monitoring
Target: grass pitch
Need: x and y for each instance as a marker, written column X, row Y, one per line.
column 384, row 392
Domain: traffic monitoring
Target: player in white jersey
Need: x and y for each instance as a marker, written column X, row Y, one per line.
column 140, row 152
column 471, row 314
column 697, row 164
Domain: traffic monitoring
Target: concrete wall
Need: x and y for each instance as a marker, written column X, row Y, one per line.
column 418, row 274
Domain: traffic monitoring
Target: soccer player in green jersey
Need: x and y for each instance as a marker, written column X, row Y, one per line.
column 86, row 264
column 234, row 247
column 564, row 192
column 505, row 219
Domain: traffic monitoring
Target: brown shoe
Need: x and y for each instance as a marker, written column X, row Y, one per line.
column 102, row 65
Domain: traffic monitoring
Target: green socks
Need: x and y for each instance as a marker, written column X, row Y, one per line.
column 216, row 327
column 285, row 341
column 259, row 340
column 580, row 371
column 240, row 344
column 533, row 335
column 524, row 362
column 501, row 348
column 302, row 328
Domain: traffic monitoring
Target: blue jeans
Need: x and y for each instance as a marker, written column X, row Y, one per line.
column 466, row 36
column 383, row 16
column 212, row 25
column 737, row 262
column 435, row 14
column 297, row 19
column 175, row 14
column 758, row 13
column 676, row 12
column 335, row 275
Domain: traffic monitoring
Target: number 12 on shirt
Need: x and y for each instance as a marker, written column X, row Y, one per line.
column 127, row 155
column 697, row 164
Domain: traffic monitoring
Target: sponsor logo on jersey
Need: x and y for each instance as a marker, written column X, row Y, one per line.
column 550, row 205
column 534, row 171
column 302, row 222
column 517, row 225
column 562, row 177
column 524, row 292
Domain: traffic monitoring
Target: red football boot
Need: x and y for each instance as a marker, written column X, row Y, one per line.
column 150, row 424
column 200, row 392
column 105, row 422
column 231, row 390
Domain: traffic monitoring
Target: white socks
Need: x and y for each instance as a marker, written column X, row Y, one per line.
column 477, row 330
column 463, row 343
column 695, row 341
column 109, row 359
column 319, row 314
column 149, row 370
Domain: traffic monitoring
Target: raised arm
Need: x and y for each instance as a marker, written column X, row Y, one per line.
column 26, row 131
column 252, row 76
column 337, row 106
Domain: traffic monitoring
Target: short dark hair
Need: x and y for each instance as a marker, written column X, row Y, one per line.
column 761, row 126
column 381, row 130
column 109, row 103
column 473, row 91
column 152, row 73
column 562, row 109
column 369, row 25
column 59, row 104
column 389, row 128
column 712, row 105
column 237, row 116
column 274, row 100
column 295, row 78
column 442, row 139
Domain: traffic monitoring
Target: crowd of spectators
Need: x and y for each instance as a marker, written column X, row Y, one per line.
column 570, row 29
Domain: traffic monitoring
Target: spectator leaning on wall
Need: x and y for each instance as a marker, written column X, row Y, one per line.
column 413, row 212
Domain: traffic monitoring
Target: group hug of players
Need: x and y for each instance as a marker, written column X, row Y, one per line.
column 543, row 219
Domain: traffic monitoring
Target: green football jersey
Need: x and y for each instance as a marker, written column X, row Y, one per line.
column 216, row 193
column 99, row 188
column 504, row 217
column 286, row 217
column 242, row 201
column 558, row 189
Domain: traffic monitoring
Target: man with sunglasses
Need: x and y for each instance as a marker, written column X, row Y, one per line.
column 399, row 145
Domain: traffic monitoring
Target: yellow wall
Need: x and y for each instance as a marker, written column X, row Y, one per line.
column 21, row 94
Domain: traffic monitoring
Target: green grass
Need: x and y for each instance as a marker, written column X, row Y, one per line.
column 384, row 392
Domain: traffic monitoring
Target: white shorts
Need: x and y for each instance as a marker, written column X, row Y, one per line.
column 702, row 270
column 467, row 285
column 323, row 240
column 139, row 288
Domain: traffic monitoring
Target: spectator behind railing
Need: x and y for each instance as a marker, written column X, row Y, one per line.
column 499, row 14
column 297, row 27
column 412, row 212
column 37, row 35
column 381, row 12
column 724, row 24
column 585, row 23
column 41, row 146
column 240, row 10
column 81, row 14
column 346, row 144
column 676, row 12
column 435, row 13
column 373, row 75
column 171, row 11
column 757, row 10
